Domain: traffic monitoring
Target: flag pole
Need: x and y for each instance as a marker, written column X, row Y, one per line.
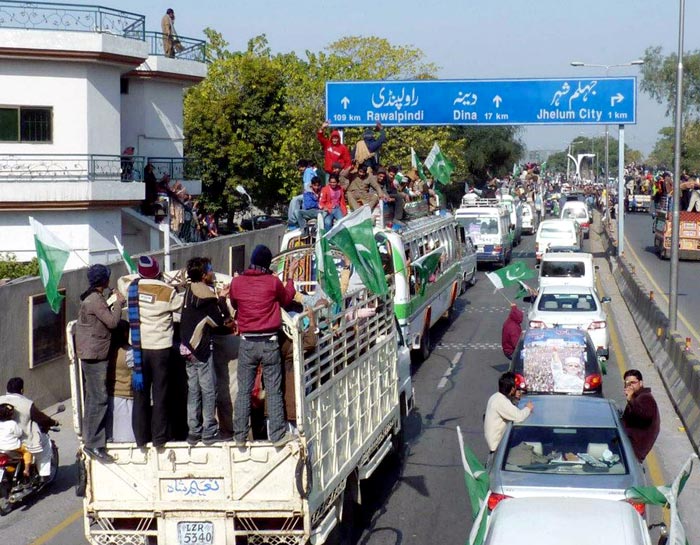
column 508, row 300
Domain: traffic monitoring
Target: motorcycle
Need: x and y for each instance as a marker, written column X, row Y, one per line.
column 14, row 486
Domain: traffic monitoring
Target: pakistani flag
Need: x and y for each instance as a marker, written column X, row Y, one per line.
column 354, row 236
column 439, row 166
column 507, row 276
column 327, row 273
column 52, row 254
column 130, row 265
column 666, row 496
column 400, row 178
column 416, row 164
column 427, row 265
column 477, row 480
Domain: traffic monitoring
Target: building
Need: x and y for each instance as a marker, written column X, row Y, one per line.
column 82, row 85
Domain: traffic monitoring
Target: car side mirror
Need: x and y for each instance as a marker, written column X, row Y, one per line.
column 605, row 300
column 603, row 365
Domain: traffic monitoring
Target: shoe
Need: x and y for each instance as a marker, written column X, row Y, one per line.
column 240, row 443
column 286, row 438
column 192, row 440
column 208, row 441
column 99, row 453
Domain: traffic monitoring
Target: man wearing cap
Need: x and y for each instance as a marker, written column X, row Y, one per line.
column 92, row 338
column 151, row 304
column 258, row 295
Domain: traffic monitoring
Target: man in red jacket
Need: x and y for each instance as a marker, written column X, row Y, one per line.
column 512, row 329
column 641, row 417
column 258, row 295
column 333, row 150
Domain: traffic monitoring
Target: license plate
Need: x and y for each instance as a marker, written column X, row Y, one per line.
column 195, row 533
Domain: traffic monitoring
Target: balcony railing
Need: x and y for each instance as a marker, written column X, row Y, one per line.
column 183, row 48
column 70, row 168
column 74, row 17
column 177, row 168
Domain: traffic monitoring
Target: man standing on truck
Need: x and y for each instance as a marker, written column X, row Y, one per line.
column 258, row 295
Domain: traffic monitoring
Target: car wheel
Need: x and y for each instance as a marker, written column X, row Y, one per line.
column 472, row 280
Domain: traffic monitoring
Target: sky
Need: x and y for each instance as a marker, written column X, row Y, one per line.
column 467, row 39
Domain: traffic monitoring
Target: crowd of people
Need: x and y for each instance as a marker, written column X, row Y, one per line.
column 352, row 178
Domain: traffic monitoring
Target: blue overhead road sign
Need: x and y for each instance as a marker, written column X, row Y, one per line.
column 572, row 101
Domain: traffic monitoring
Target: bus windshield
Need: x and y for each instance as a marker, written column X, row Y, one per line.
column 479, row 225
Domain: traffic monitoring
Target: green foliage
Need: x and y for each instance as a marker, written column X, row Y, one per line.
column 11, row 268
column 659, row 80
column 662, row 154
column 256, row 114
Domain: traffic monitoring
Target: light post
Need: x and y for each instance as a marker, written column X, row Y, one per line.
column 242, row 191
column 620, row 170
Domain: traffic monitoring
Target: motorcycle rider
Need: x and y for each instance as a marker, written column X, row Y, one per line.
column 34, row 425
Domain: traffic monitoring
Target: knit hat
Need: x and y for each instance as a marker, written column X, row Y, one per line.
column 148, row 267
column 98, row 276
column 261, row 256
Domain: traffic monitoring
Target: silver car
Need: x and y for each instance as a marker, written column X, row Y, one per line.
column 569, row 446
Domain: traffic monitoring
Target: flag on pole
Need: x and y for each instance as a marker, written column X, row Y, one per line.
column 130, row 265
column 354, row 236
column 327, row 273
column 426, row 266
column 507, row 276
column 524, row 291
column 666, row 496
column 400, row 178
column 52, row 254
column 439, row 166
column 416, row 164
column 478, row 487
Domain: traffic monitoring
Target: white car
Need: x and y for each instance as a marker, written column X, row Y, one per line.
column 573, row 521
column 529, row 219
column 572, row 307
column 578, row 211
column 556, row 233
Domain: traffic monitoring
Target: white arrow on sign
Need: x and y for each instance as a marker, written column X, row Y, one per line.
column 345, row 101
column 497, row 101
column 616, row 98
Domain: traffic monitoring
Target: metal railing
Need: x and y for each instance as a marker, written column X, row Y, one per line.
column 177, row 168
column 70, row 167
column 74, row 17
column 183, row 48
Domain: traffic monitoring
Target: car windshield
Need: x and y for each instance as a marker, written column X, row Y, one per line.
column 571, row 213
column 572, row 269
column 567, row 302
column 479, row 225
column 565, row 451
column 551, row 231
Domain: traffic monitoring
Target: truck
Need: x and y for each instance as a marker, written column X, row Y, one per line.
column 689, row 233
column 352, row 394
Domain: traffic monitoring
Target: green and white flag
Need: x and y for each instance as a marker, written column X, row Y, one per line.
column 427, row 265
column 130, row 265
column 52, row 254
column 416, row 164
column 666, row 496
column 400, row 178
column 327, row 273
column 478, row 487
column 354, row 236
column 439, row 166
column 507, row 276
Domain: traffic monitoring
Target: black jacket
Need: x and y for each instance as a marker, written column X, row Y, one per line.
column 203, row 313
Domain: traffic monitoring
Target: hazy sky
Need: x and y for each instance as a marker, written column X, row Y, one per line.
column 466, row 39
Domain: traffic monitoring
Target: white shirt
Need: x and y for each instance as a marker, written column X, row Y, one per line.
column 500, row 411
column 10, row 433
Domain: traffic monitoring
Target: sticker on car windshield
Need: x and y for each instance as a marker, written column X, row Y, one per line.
column 554, row 361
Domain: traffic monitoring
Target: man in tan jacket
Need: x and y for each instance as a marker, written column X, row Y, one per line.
column 171, row 44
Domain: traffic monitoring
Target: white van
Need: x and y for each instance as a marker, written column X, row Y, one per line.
column 516, row 220
column 578, row 211
column 487, row 223
column 567, row 269
column 556, row 233
column 529, row 219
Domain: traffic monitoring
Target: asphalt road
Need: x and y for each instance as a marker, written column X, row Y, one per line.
column 655, row 273
column 422, row 500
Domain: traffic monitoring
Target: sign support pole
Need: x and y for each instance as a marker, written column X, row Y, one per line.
column 621, row 192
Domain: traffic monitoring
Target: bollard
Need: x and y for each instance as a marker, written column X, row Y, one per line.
column 651, row 295
column 687, row 344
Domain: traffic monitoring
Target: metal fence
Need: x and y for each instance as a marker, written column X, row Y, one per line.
column 183, row 48
column 74, row 17
column 70, row 167
column 177, row 168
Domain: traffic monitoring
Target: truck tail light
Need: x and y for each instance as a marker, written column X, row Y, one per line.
column 593, row 382
column 520, row 383
column 597, row 325
column 495, row 499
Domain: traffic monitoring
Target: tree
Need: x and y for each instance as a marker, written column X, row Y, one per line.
column 659, row 80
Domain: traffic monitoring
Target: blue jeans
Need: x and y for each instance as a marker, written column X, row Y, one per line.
column 336, row 213
column 294, row 206
column 304, row 215
column 95, row 408
column 201, row 398
column 251, row 353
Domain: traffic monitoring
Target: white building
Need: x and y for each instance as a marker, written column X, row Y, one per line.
column 80, row 84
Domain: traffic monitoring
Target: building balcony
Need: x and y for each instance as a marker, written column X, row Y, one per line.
column 184, row 48
column 186, row 170
column 186, row 62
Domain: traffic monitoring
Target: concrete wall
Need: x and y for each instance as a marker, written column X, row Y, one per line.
column 48, row 383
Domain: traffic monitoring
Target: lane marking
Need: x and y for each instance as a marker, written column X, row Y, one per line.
column 658, row 290
column 446, row 374
column 652, row 461
column 53, row 532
